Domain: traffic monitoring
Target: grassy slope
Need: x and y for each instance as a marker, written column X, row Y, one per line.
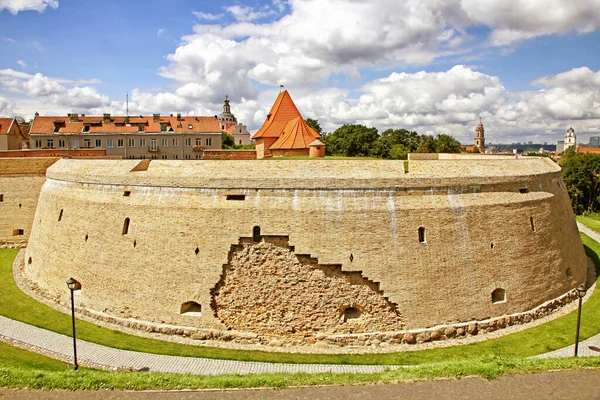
column 547, row 337
column 592, row 221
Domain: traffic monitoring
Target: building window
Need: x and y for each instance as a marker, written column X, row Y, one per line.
column 191, row 308
column 153, row 145
column 256, row 234
column 175, row 157
column 351, row 313
column 238, row 197
column 187, row 157
column 87, row 143
column 197, row 156
column 50, row 143
column 120, row 143
column 154, row 156
column 125, row 226
column 109, row 143
column 142, row 142
column 164, row 142
column 422, row 235
column 164, row 156
column 98, row 142
column 131, row 142
column 141, row 128
column 188, row 141
column 61, row 143
column 18, row 232
column 498, row 296
column 1, row 198
column 198, row 141
column 209, row 141
column 175, row 142
column 190, row 126
column 38, row 144
column 75, row 143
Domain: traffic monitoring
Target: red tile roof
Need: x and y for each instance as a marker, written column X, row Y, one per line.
column 116, row 124
column 281, row 113
column 586, row 150
column 297, row 134
column 5, row 124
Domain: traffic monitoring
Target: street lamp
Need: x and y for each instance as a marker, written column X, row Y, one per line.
column 580, row 293
column 73, row 285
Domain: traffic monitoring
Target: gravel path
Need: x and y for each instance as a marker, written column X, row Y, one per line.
column 60, row 346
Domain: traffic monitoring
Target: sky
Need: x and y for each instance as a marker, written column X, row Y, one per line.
column 529, row 69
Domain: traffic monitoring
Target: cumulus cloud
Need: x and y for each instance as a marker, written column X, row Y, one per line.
column 22, row 63
column 6, row 107
column 15, row 6
column 246, row 13
column 522, row 19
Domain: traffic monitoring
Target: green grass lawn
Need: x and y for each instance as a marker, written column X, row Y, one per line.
column 550, row 336
column 592, row 221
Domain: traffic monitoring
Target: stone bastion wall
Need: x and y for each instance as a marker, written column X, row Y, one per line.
column 21, row 180
column 305, row 248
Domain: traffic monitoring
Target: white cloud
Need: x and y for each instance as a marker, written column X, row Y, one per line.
column 6, row 107
column 22, row 63
column 37, row 45
column 522, row 19
column 160, row 32
column 207, row 16
column 7, row 39
column 245, row 13
column 15, row 6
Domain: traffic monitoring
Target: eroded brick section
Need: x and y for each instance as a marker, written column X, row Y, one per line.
column 267, row 289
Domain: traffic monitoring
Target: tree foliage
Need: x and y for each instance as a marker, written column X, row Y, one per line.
column 227, row 141
column 352, row 140
column 581, row 173
column 314, row 123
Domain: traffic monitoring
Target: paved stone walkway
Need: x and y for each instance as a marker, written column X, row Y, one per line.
column 61, row 347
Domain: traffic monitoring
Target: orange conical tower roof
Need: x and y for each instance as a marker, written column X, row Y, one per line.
column 281, row 113
column 297, row 134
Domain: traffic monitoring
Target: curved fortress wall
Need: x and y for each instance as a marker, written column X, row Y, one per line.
column 300, row 247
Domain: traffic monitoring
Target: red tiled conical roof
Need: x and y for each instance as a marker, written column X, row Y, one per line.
column 281, row 113
column 297, row 134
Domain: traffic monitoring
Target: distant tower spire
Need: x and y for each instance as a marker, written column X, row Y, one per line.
column 226, row 118
column 479, row 137
column 570, row 138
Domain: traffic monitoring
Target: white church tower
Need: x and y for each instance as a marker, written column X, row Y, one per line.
column 570, row 139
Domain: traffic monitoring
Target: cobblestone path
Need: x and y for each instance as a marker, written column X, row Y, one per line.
column 60, row 346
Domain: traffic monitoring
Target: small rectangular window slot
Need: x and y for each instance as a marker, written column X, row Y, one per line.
column 523, row 190
column 18, row 232
column 236, row 197
column 127, row 193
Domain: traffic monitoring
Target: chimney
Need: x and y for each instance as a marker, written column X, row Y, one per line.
column 37, row 114
column 156, row 117
column 106, row 117
column 73, row 117
column 178, row 116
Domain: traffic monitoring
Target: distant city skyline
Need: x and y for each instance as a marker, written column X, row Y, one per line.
column 530, row 70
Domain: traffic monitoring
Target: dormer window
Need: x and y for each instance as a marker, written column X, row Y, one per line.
column 141, row 128
column 190, row 126
column 86, row 128
column 163, row 127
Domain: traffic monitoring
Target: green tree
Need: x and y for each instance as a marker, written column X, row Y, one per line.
column 446, row 144
column 581, row 174
column 399, row 152
column 426, row 145
column 314, row 123
column 391, row 137
column 227, row 141
column 351, row 141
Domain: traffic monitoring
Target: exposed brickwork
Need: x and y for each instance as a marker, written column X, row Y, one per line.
column 267, row 289
column 229, row 154
column 54, row 153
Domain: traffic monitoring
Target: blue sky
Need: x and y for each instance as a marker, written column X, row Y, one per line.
column 529, row 69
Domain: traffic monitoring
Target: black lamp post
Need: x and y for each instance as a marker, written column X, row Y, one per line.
column 580, row 292
column 73, row 285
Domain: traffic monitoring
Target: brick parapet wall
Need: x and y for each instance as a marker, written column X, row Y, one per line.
column 230, row 154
